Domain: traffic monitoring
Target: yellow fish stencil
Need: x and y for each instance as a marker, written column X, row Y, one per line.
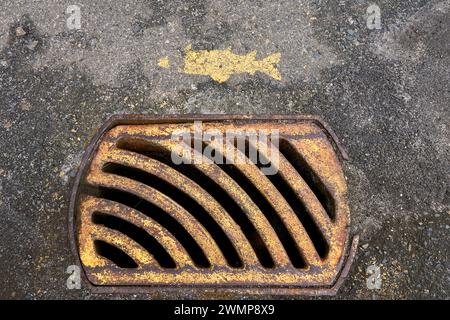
column 221, row 64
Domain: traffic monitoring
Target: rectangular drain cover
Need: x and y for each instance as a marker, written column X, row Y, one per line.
column 238, row 204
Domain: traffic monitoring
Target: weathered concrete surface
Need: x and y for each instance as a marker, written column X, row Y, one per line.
column 385, row 93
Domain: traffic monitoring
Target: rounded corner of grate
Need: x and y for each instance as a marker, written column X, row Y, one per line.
column 142, row 220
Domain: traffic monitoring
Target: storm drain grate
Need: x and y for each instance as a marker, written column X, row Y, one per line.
column 235, row 203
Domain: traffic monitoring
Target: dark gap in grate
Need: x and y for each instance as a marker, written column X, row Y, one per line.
column 234, row 210
column 160, row 216
column 137, row 234
column 215, row 190
column 268, row 210
column 297, row 206
column 247, row 151
column 311, row 178
column 183, row 199
column 114, row 254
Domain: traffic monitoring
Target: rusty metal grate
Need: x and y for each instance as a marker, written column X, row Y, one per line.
column 140, row 221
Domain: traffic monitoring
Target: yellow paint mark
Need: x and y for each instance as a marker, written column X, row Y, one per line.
column 164, row 62
column 221, row 64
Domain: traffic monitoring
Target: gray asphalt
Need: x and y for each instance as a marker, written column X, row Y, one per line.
column 385, row 92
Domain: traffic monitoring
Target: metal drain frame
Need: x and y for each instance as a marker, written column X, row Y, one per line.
column 206, row 291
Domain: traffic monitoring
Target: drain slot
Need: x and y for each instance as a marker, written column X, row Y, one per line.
column 271, row 214
column 173, row 226
column 215, row 190
column 267, row 209
column 114, row 254
column 296, row 205
column 185, row 201
column 140, row 236
column 310, row 177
